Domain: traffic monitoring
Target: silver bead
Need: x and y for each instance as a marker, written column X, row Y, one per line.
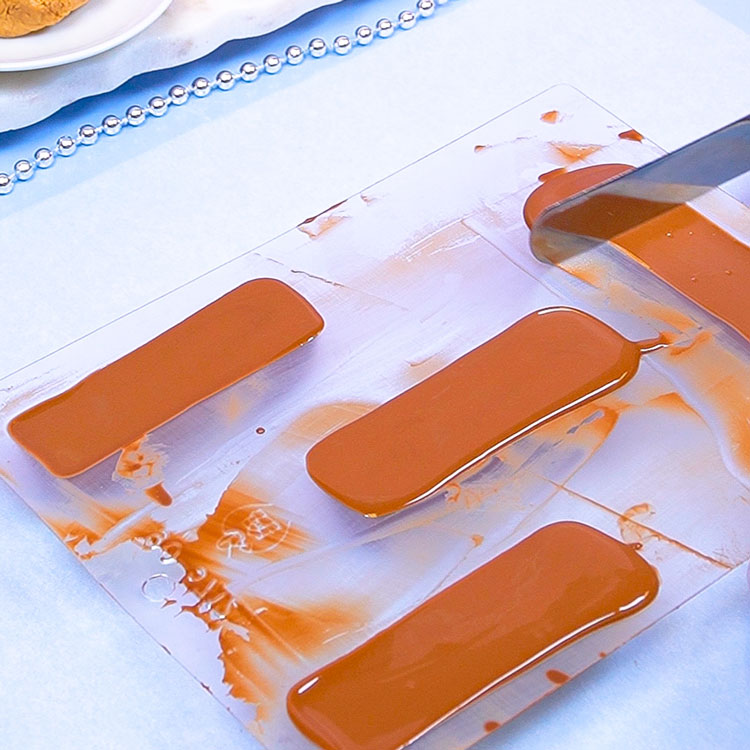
column 248, row 71
column 385, row 28
column 24, row 170
column 406, row 19
column 135, row 115
column 342, row 45
column 363, row 35
column 158, row 106
column 225, row 80
column 178, row 95
column 87, row 135
column 6, row 184
column 317, row 47
column 272, row 64
column 295, row 55
column 66, row 145
column 44, row 158
column 111, row 125
column 201, row 86
column 425, row 8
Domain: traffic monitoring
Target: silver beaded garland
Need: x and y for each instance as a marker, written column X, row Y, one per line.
column 87, row 135
column 363, row 35
column 157, row 106
column 272, row 64
column 385, row 28
column 6, row 183
column 317, row 47
column 44, row 158
column 24, row 170
column 111, row 125
column 225, row 80
column 201, row 86
column 342, row 45
column 178, row 95
column 135, row 115
column 249, row 71
column 66, row 146
column 295, row 54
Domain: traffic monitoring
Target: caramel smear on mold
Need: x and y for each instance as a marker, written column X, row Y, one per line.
column 233, row 337
column 630, row 135
column 140, row 461
column 318, row 225
column 556, row 676
column 555, row 586
column 575, row 152
column 544, row 365
column 158, row 494
column 259, row 637
column 240, row 526
column 632, row 523
column 322, row 420
column 550, row 117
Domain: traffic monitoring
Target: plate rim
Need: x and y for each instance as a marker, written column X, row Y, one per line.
column 63, row 58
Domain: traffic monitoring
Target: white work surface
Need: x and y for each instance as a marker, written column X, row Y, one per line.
column 76, row 671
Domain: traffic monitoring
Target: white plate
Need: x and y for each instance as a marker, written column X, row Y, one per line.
column 96, row 27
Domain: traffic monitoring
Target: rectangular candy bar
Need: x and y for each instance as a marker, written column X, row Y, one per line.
column 545, row 364
column 233, row 337
column 680, row 245
column 558, row 584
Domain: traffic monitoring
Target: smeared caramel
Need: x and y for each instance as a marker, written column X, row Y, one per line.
column 632, row 523
column 159, row 494
column 256, row 635
column 545, row 364
column 80, row 527
column 630, row 135
column 241, row 526
column 236, row 335
column 550, row 117
column 491, row 726
column 317, row 225
column 314, row 424
column 556, row 676
column 575, row 151
column 140, row 462
column 552, row 588
column 674, row 402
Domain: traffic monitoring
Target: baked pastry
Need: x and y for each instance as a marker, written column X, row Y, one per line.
column 19, row 17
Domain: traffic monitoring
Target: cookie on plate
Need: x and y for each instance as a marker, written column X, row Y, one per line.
column 19, row 17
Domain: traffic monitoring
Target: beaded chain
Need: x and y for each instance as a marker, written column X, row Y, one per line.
column 158, row 106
